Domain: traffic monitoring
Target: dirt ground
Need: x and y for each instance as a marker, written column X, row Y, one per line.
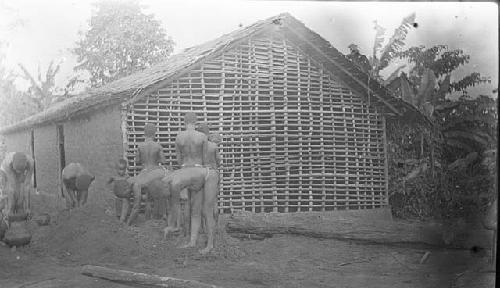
column 90, row 236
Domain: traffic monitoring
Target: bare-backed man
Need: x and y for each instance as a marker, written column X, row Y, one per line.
column 76, row 180
column 191, row 150
column 150, row 154
column 210, row 210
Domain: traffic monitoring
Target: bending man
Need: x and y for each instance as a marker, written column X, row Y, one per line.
column 150, row 154
column 17, row 169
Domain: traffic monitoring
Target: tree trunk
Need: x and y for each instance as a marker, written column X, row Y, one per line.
column 140, row 278
column 355, row 229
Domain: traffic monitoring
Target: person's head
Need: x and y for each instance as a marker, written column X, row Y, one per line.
column 149, row 130
column 203, row 128
column 215, row 138
column 190, row 118
column 19, row 162
column 83, row 182
column 121, row 167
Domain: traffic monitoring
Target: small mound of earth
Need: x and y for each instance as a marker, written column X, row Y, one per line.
column 86, row 235
column 89, row 235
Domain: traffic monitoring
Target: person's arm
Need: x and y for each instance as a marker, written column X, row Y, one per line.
column 161, row 155
column 138, row 155
column 218, row 159
column 178, row 153
column 28, row 185
column 205, row 157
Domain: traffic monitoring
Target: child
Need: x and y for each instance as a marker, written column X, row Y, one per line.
column 122, row 188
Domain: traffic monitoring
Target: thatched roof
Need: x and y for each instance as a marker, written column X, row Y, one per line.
column 140, row 83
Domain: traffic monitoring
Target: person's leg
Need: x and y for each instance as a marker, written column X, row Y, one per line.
column 85, row 197
column 125, row 209
column 181, row 220
column 68, row 193
column 185, row 211
column 67, row 197
column 82, row 197
column 22, row 199
column 210, row 208
column 136, row 188
column 173, row 207
column 148, row 209
column 196, row 205
column 11, row 199
column 118, row 207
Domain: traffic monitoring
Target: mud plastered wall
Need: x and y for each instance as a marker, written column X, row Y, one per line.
column 95, row 140
column 18, row 141
column 47, row 159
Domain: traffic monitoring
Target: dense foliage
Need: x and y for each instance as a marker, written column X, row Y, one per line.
column 446, row 170
column 121, row 40
column 463, row 180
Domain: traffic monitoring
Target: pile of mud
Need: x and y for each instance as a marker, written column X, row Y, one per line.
column 89, row 235
column 86, row 235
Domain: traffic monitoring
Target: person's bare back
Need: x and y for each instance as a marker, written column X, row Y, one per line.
column 76, row 181
column 191, row 146
column 17, row 171
column 150, row 154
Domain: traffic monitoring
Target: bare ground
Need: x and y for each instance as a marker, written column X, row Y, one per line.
column 90, row 236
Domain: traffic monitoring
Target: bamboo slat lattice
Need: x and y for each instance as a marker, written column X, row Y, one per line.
column 294, row 138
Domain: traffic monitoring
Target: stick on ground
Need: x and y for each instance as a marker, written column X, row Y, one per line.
column 140, row 278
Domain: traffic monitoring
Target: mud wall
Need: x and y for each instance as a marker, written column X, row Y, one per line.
column 95, row 140
column 47, row 159
column 18, row 141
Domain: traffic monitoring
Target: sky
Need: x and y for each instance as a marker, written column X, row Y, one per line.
column 38, row 32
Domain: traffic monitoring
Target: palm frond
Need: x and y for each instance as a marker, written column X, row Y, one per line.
column 396, row 41
column 407, row 93
column 478, row 137
column 379, row 39
column 394, row 74
column 460, row 145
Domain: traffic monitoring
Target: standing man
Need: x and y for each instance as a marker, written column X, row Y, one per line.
column 191, row 150
column 210, row 210
column 17, row 169
column 150, row 154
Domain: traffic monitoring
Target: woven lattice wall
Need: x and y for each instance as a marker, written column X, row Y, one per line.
column 294, row 138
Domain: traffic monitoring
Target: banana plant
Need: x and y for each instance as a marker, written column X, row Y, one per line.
column 382, row 55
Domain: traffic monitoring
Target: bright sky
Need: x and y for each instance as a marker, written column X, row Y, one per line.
column 47, row 29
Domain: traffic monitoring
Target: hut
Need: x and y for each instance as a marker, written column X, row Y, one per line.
column 303, row 127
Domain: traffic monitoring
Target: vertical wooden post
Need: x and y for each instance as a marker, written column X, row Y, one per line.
column 124, row 126
column 62, row 154
column 274, row 181
column 32, row 147
column 386, row 160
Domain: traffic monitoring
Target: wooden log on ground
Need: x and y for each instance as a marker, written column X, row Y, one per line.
column 143, row 279
column 340, row 228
